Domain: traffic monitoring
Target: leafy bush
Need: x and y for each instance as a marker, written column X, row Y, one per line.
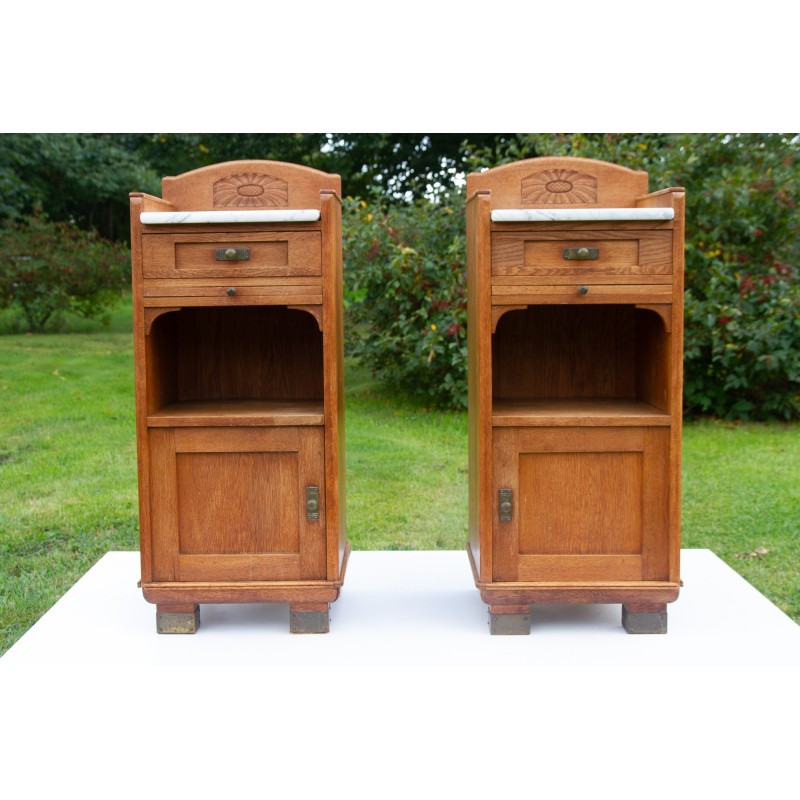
column 742, row 301
column 406, row 296
column 49, row 267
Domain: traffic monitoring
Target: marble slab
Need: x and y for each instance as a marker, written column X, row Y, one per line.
column 229, row 216
column 581, row 214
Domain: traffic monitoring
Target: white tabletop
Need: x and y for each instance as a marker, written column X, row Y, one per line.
column 407, row 696
column 418, row 608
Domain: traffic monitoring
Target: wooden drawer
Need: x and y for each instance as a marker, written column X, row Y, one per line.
column 238, row 291
column 581, row 294
column 546, row 253
column 195, row 255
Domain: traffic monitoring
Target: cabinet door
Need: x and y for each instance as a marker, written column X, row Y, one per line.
column 586, row 504
column 230, row 504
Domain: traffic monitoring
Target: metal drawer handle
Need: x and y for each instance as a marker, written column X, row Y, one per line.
column 232, row 254
column 581, row 253
column 583, row 290
column 230, row 291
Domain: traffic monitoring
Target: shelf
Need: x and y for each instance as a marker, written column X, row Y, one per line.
column 224, row 413
column 577, row 412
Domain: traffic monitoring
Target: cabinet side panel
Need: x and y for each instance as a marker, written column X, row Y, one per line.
column 333, row 378
column 140, row 379
column 676, row 388
column 479, row 403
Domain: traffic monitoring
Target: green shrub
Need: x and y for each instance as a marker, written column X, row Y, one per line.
column 742, row 312
column 406, row 296
column 50, row 267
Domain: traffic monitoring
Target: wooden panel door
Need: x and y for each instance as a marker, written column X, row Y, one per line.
column 229, row 504
column 587, row 504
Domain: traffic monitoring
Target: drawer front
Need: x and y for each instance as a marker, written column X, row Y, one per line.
column 587, row 294
column 208, row 255
column 582, row 254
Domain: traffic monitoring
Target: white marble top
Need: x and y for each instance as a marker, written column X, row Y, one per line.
column 229, row 216
column 581, row 214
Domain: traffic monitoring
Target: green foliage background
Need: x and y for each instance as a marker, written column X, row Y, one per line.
column 404, row 237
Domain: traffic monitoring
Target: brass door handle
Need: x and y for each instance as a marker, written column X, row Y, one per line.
column 312, row 502
column 505, row 506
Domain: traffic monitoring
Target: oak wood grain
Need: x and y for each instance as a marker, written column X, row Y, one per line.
column 239, row 391
column 585, row 373
column 194, row 255
column 512, row 185
column 195, row 190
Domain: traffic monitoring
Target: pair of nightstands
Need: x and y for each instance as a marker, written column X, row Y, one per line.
column 575, row 329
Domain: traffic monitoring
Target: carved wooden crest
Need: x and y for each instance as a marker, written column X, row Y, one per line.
column 559, row 187
column 251, row 190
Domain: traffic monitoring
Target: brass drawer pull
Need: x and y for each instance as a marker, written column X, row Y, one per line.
column 232, row 254
column 581, row 253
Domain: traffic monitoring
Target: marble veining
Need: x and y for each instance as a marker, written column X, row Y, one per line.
column 581, row 214
column 227, row 217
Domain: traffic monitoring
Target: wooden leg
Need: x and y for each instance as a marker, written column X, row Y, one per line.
column 644, row 617
column 177, row 617
column 510, row 620
column 309, row 618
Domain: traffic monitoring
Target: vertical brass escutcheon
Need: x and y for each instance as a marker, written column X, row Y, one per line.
column 312, row 502
column 505, row 505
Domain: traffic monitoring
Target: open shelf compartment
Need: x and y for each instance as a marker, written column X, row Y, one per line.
column 580, row 365
column 248, row 365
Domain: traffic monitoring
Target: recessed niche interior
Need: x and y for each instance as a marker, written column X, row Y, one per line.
column 209, row 359
column 613, row 357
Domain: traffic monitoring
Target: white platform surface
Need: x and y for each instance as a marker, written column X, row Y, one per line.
column 408, row 696
column 417, row 608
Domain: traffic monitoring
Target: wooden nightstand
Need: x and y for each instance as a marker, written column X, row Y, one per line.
column 237, row 293
column 575, row 281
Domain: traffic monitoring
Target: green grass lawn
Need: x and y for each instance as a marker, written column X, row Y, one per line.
column 68, row 475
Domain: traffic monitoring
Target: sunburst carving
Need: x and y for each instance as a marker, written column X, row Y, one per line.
column 559, row 187
column 251, row 190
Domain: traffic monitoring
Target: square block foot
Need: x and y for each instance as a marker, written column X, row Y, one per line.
column 309, row 620
column 635, row 621
column 510, row 623
column 170, row 621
